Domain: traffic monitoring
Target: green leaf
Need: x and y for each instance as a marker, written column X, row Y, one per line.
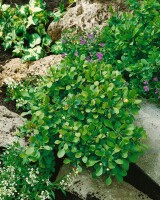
column 83, row 57
column 133, row 158
column 84, row 159
column 35, row 39
column 119, row 178
column 119, row 161
column 67, row 161
column 79, row 168
column 30, row 150
column 32, row 54
column 61, row 153
column 90, row 162
column 100, row 152
column 132, row 93
column 34, row 9
column 99, row 171
column 47, row 40
column 116, row 110
column 138, row 101
column 108, row 124
column 49, row 84
column 30, row 21
column 78, row 154
column 108, row 181
column 48, row 148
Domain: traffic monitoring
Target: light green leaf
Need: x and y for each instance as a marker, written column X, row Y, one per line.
column 84, row 159
column 66, row 161
column 119, row 161
column 90, row 163
column 30, row 21
column 34, row 40
column 99, row 171
column 48, row 148
column 61, row 153
column 138, row 101
column 34, row 9
column 30, row 150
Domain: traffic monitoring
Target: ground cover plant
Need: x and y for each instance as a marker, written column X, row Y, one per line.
column 23, row 29
column 85, row 112
column 130, row 42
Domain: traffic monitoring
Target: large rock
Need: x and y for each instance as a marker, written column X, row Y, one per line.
column 9, row 122
column 18, row 71
column 86, row 15
column 86, row 187
column 149, row 118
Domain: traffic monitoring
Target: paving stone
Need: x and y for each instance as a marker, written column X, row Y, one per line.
column 86, row 187
column 149, row 118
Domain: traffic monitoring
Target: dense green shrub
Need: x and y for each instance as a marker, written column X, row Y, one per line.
column 130, row 42
column 85, row 111
column 23, row 29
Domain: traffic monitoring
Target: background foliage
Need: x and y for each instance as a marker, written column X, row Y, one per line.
column 23, row 29
column 130, row 42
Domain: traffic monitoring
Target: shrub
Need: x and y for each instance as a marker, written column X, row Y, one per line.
column 86, row 112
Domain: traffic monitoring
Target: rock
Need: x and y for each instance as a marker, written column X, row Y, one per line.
column 18, row 71
column 86, row 15
column 149, row 118
column 86, row 187
column 9, row 122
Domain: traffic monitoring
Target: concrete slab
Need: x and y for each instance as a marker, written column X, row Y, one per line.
column 86, row 187
column 149, row 118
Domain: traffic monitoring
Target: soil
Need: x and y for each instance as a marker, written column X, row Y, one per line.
column 50, row 4
column 5, row 56
column 11, row 105
column 60, row 196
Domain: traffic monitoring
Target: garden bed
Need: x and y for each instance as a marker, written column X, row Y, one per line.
column 82, row 112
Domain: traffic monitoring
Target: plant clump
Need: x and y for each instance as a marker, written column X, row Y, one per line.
column 85, row 111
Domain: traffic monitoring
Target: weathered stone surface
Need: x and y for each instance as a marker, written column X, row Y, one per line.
column 149, row 118
column 84, row 186
column 9, row 122
column 86, row 15
column 17, row 70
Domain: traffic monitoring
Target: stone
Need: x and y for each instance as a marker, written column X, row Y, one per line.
column 86, row 15
column 149, row 118
column 9, row 122
column 85, row 187
column 18, row 71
